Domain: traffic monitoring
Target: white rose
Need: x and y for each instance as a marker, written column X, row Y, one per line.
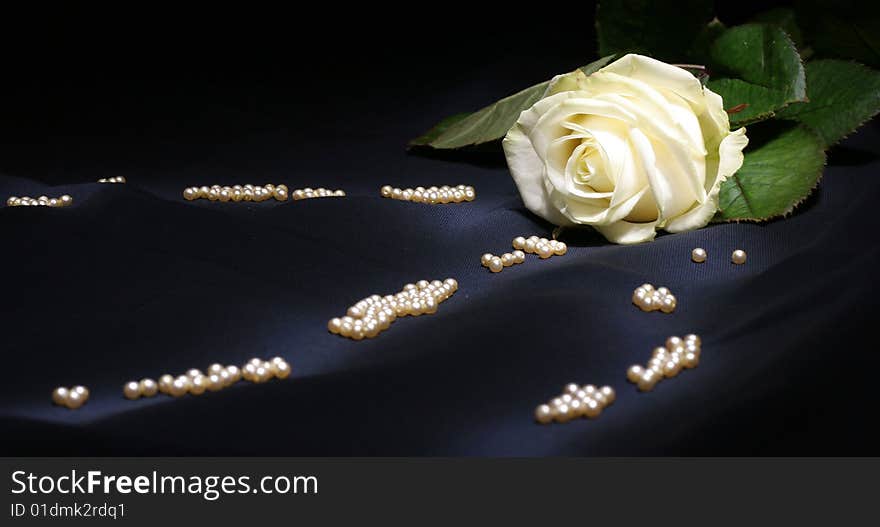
column 637, row 146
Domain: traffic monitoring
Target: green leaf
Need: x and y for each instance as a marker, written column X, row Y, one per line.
column 491, row 122
column 843, row 95
column 849, row 30
column 758, row 66
column 663, row 30
column 782, row 166
column 785, row 19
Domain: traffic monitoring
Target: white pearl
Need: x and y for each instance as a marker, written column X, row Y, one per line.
column 544, row 251
column 738, row 257
column 561, row 413
column 572, row 388
column 609, row 393
column 592, row 408
column 148, row 387
column 165, row 383
column 543, row 414
column 673, row 342
column 560, row 248
column 82, row 390
column 530, row 246
column 693, row 338
column 280, row 194
column 662, row 291
column 469, row 194
column 180, row 386
column 234, row 374
column 281, row 370
column 672, row 367
column 59, row 396
column 659, row 352
column 495, row 264
column 74, row 400
column 599, row 397
column 634, row 373
column 576, row 408
column 215, row 368
column 648, row 380
column 519, row 242
column 507, row 259
column 66, row 200
column 667, row 305
column 215, row 382
column 198, row 385
column 334, row 326
column 647, row 304
column 190, row 194
column 486, row 258
column 131, row 390
column 699, row 255
column 519, row 256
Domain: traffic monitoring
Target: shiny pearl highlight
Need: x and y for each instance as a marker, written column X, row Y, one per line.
column 646, row 298
column 574, row 402
column 666, row 362
column 699, row 255
column 71, row 398
column 738, row 257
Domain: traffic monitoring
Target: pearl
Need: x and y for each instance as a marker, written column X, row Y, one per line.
column 148, row 387
column 648, row 380
column 224, row 195
column 530, row 246
column 215, row 369
column 561, row 413
column 74, row 400
column 543, row 414
column 592, row 409
column 544, row 251
column 59, row 396
column 495, row 264
column 281, row 370
column 334, row 326
column 507, row 259
column 634, row 373
column 560, row 249
column 672, row 367
column 609, row 393
column 190, row 194
column 572, row 388
column 667, row 305
column 557, row 401
column 690, row 360
column 659, row 352
column 519, row 257
column 67, row 200
column 693, row 338
column 673, row 342
column 131, row 390
column 738, row 257
column 54, row 202
column 486, row 258
column 576, row 408
column 215, row 382
column 82, row 390
column 234, row 374
column 647, row 304
column 519, row 242
column 193, row 372
column 385, row 191
column 600, row 398
column 198, row 385
column 165, row 383
column 699, row 255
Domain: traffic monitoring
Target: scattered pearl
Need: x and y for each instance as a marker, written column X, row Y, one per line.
column 575, row 401
column 543, row 414
column 165, row 383
column 75, row 400
column 648, row 380
column 42, row 201
column 495, row 264
column 666, row 362
column 131, row 390
column 634, row 373
column 738, row 257
column 519, row 243
column 59, row 396
column 148, row 387
column 507, row 259
column 646, row 298
column 699, row 255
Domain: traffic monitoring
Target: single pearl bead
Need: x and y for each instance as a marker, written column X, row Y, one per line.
column 738, row 257
column 182, row 382
column 280, row 194
column 634, row 373
column 198, row 385
column 609, row 394
column 470, row 194
column 452, row 283
column 215, row 368
column 485, row 259
column 667, row 305
column 647, row 304
column 334, row 326
column 385, row 191
column 543, row 414
column 599, row 397
column 396, row 193
column 407, row 194
column 59, row 396
column 248, row 194
column 566, row 398
column 519, row 242
column 148, row 387
column 560, row 248
column 234, row 374
column 544, row 250
column 557, row 401
column 592, row 408
column 54, row 202
column 215, row 382
column 561, row 413
column 281, row 370
column 67, row 200
column 192, row 372
column 224, row 195
column 495, row 265
column 576, row 408
column 693, row 338
column 659, row 352
column 529, row 246
column 648, row 380
column 673, row 342
column 507, row 259
column 571, row 388
column 190, row 194
column 82, row 390
column 519, row 257
column 74, row 400
column 672, row 367
column 131, row 390
column 699, row 255
column 662, row 291
column 165, row 383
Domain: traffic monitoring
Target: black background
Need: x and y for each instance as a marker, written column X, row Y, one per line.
column 134, row 282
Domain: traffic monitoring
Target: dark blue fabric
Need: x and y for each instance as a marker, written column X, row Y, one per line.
column 132, row 281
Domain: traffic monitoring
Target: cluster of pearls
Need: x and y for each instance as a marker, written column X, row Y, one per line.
column 237, row 193
column 666, row 362
column 114, row 179
column 497, row 263
column 649, row 299
column 308, row 193
column 541, row 246
column 374, row 314
column 217, row 377
column 575, row 401
column 431, row 195
column 71, row 398
column 699, row 255
column 42, row 201
column 738, row 257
